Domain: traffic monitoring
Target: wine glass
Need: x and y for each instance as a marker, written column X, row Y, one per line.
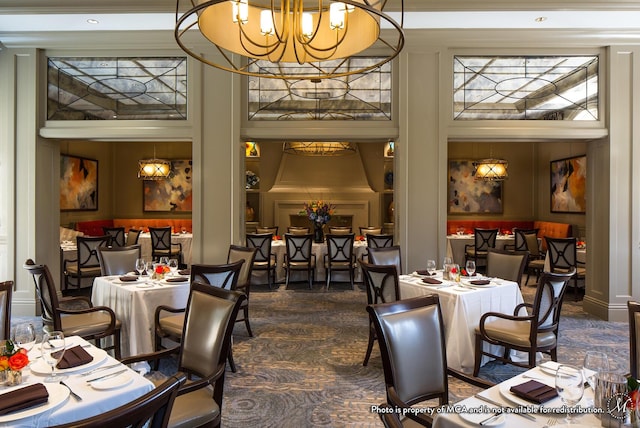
column 52, row 348
column 149, row 268
column 470, row 267
column 24, row 336
column 140, row 266
column 570, row 387
column 594, row 363
column 164, row 261
column 447, row 261
column 173, row 265
column 431, row 267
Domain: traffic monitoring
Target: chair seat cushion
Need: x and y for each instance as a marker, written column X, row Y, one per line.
column 516, row 333
column 580, row 271
column 264, row 265
column 93, row 271
column 300, row 265
column 340, row 265
column 167, row 252
column 172, row 324
column 194, row 409
column 86, row 324
column 473, row 252
column 536, row 264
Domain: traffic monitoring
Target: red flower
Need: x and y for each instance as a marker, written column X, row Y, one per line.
column 159, row 269
column 454, row 270
column 18, row 361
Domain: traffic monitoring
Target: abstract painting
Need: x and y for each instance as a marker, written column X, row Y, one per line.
column 568, row 185
column 470, row 196
column 172, row 194
column 78, row 184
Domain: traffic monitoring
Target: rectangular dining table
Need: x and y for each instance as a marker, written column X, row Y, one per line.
column 134, row 304
column 98, row 397
column 499, row 397
column 462, row 306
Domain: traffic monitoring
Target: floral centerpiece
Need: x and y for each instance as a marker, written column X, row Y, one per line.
column 252, row 179
column 319, row 213
column 12, row 360
column 160, row 271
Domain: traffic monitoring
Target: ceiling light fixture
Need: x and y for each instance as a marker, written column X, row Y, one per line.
column 290, row 31
column 318, row 149
column 154, row 169
column 491, row 169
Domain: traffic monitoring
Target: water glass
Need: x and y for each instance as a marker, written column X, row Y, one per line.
column 164, row 261
column 149, row 269
column 431, row 267
column 52, row 348
column 570, row 387
column 141, row 265
column 24, row 336
column 447, row 261
column 470, row 267
column 173, row 265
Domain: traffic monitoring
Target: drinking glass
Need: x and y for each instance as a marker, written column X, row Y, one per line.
column 570, row 387
column 149, row 268
column 431, row 267
column 594, row 363
column 447, row 261
column 173, row 265
column 52, row 348
column 470, row 267
column 140, row 266
column 164, row 261
column 24, row 336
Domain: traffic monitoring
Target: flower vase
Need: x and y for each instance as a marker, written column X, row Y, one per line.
column 318, row 235
column 13, row 377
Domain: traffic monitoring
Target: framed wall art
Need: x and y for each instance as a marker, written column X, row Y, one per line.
column 568, row 185
column 171, row 194
column 78, row 183
column 470, row 196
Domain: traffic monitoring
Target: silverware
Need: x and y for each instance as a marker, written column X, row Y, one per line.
column 107, row 376
column 90, row 372
column 495, row 403
column 76, row 396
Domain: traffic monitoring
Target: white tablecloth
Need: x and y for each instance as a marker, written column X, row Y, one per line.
column 177, row 238
column 94, row 401
column 454, row 420
column 135, row 308
column 319, row 249
column 456, row 243
column 461, row 311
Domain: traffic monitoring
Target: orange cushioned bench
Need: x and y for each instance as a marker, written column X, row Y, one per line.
column 94, row 227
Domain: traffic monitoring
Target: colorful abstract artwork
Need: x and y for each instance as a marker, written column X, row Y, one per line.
column 568, row 185
column 470, row 196
column 172, row 194
column 78, row 184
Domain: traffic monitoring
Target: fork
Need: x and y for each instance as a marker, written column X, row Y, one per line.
column 550, row 423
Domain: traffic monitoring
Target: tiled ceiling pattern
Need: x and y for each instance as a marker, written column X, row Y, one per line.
column 357, row 97
column 525, row 88
column 117, row 88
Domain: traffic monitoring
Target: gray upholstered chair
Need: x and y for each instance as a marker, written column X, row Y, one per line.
column 527, row 240
column 381, row 283
column 532, row 328
column 6, row 291
column 507, row 265
column 634, row 337
column 562, row 254
column 87, row 264
column 116, row 234
column 202, row 354
column 247, row 255
column 299, row 257
column 152, row 410
column 91, row 323
column 483, row 239
column 264, row 260
column 132, row 237
column 340, row 256
column 118, row 260
column 414, row 358
column 386, row 256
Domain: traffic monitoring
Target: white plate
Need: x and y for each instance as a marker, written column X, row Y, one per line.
column 57, row 395
column 504, row 391
column 144, row 285
column 549, row 367
column 186, row 279
column 41, row 367
column 469, row 284
column 476, row 418
column 113, row 382
column 137, row 281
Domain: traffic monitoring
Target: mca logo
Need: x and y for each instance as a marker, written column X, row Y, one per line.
column 617, row 405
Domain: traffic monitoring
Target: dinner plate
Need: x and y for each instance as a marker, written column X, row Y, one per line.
column 504, row 391
column 41, row 367
column 57, row 395
column 113, row 382
column 144, row 285
column 469, row 284
column 463, row 289
column 137, row 281
column 476, row 418
column 549, row 367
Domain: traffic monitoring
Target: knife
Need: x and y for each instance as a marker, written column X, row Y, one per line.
column 107, row 376
column 495, row 403
column 90, row 372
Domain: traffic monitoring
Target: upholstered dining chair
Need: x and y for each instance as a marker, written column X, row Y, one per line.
column 634, row 337
column 299, row 257
column 386, row 256
column 373, row 230
column 381, row 283
column 532, row 328
column 340, row 256
column 132, row 237
column 414, row 359
column 87, row 264
column 264, row 260
column 152, row 410
column 118, row 260
column 482, row 241
column 90, row 322
column 116, row 234
column 248, row 255
column 6, row 292
column 161, row 245
column 267, row 229
column 339, row 230
column 202, row 354
column 507, row 265
column 527, row 240
column 295, row 230
column 562, row 254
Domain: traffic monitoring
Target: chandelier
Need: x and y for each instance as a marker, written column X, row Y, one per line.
column 154, row 169
column 491, row 169
column 298, row 32
column 318, row 149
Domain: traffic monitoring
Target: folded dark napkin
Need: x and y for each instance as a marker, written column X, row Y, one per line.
column 424, row 272
column 74, row 357
column 431, row 281
column 177, row 279
column 128, row 278
column 23, row 398
column 534, row 391
column 185, row 272
column 480, row 282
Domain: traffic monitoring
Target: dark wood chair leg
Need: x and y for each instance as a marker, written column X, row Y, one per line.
column 478, row 355
column 232, row 363
column 369, row 347
column 246, row 320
